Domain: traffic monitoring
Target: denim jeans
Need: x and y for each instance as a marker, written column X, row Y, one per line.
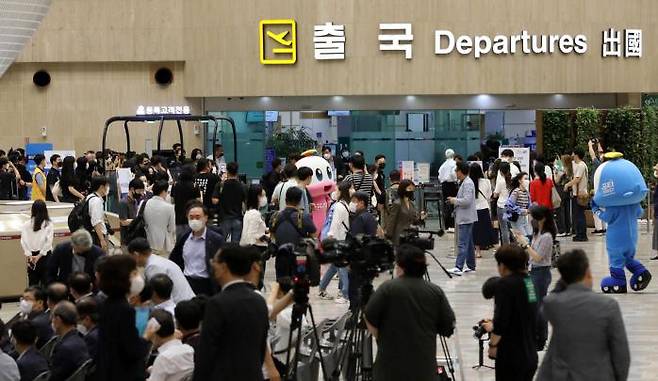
column 522, row 225
column 503, row 226
column 541, row 278
column 342, row 276
column 232, row 228
column 465, row 247
column 580, row 225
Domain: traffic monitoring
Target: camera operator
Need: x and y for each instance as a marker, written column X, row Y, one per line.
column 291, row 225
column 512, row 330
column 596, row 154
column 405, row 314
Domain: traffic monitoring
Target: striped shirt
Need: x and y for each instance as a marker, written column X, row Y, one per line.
column 521, row 198
column 362, row 182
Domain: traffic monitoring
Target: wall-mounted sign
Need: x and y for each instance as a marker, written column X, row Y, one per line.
column 163, row 110
column 278, row 42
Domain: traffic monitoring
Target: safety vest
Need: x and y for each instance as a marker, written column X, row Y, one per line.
column 37, row 194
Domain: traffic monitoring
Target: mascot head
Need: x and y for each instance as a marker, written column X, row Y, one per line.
column 618, row 182
column 324, row 178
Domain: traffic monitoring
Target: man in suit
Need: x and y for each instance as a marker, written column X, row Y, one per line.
column 33, row 307
column 88, row 323
column 78, row 255
column 30, row 362
column 160, row 220
column 225, row 351
column 195, row 249
column 70, row 352
column 589, row 339
column 466, row 215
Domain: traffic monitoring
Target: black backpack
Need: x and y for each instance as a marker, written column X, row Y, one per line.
column 137, row 227
column 79, row 217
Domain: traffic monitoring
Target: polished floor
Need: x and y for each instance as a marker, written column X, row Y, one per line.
column 639, row 309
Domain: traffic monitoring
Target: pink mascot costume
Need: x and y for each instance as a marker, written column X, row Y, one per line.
column 322, row 185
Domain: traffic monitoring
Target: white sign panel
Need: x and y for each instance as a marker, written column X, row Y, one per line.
column 407, row 170
column 62, row 154
column 124, row 176
column 423, row 170
column 521, row 154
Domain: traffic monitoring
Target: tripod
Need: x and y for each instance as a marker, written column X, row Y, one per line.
column 358, row 344
column 299, row 309
column 450, row 275
column 443, row 339
column 480, row 364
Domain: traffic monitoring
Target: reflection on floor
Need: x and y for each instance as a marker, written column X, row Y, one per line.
column 639, row 309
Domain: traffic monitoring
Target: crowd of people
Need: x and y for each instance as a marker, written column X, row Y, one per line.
column 189, row 283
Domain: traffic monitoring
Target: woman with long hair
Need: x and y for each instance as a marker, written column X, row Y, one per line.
column 541, row 188
column 540, row 250
column 484, row 235
column 254, row 229
column 37, row 242
column 501, row 192
column 69, row 182
column 564, row 174
column 518, row 204
column 403, row 212
column 83, row 174
column 340, row 223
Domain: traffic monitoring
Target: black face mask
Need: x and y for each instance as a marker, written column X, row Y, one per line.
column 137, row 196
column 411, row 195
column 382, row 165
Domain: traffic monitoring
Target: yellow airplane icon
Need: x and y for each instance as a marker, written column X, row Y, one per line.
column 287, row 46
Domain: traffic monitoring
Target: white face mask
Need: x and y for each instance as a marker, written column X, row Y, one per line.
column 352, row 207
column 196, row 225
column 136, row 285
column 26, row 306
column 262, row 201
column 655, row 174
column 82, row 329
column 327, row 156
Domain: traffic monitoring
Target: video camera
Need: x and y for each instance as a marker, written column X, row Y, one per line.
column 364, row 254
column 412, row 237
column 299, row 263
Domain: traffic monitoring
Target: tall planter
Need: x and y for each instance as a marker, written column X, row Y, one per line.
column 291, row 140
column 556, row 133
column 624, row 133
column 650, row 133
column 587, row 126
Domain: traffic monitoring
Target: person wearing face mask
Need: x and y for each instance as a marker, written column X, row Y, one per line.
column 402, row 213
column 182, row 193
column 129, row 207
column 218, row 159
column 380, row 183
column 77, row 255
column 30, row 362
column 272, row 178
column 100, row 187
column 53, row 176
column 88, row 324
column 9, row 175
column 654, row 241
column 195, row 248
column 465, row 217
column 121, row 352
column 518, row 204
column 254, row 230
column 175, row 360
column 32, row 307
column 70, row 351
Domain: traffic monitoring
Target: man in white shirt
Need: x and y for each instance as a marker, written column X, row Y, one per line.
column 155, row 264
column 448, row 180
column 280, row 191
column 160, row 220
column 579, row 186
column 8, row 368
column 175, row 360
column 162, row 286
column 100, row 187
column 220, row 162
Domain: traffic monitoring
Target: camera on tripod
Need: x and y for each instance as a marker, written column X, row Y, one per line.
column 299, row 264
column 479, row 330
column 364, row 254
column 412, row 237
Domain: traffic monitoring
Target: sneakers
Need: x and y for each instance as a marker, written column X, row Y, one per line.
column 654, row 258
column 456, row 271
column 451, row 230
column 341, row 300
column 324, row 296
column 467, row 270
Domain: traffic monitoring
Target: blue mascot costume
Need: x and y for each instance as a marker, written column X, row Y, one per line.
column 619, row 188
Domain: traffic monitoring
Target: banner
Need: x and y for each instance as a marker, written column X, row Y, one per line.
column 521, row 154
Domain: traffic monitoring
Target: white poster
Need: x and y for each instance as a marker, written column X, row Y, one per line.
column 521, row 154
column 124, row 176
column 61, row 153
column 423, row 170
column 407, row 170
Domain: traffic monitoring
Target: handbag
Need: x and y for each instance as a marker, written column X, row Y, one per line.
column 582, row 199
column 556, row 200
column 556, row 252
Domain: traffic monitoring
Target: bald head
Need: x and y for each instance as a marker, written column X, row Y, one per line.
column 57, row 292
column 65, row 317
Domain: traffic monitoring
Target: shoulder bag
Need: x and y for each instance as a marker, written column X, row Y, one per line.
column 582, row 198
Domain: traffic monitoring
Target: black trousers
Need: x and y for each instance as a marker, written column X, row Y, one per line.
column 448, row 190
column 579, row 222
column 200, row 286
column 37, row 276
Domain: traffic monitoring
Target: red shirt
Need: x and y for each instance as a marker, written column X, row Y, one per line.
column 540, row 194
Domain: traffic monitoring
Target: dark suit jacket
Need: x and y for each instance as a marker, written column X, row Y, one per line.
column 91, row 339
column 69, row 354
column 121, row 352
column 60, row 262
column 41, row 321
column 589, row 339
column 214, row 241
column 226, row 352
column 31, row 364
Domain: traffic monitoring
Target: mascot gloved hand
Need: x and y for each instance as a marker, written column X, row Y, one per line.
column 619, row 188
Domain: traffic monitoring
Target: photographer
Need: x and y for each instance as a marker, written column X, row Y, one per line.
column 512, row 342
column 405, row 314
column 596, row 154
column 291, row 225
column 8, row 177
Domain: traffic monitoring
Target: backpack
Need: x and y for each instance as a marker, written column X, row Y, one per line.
column 137, row 227
column 329, row 219
column 277, row 220
column 79, row 217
